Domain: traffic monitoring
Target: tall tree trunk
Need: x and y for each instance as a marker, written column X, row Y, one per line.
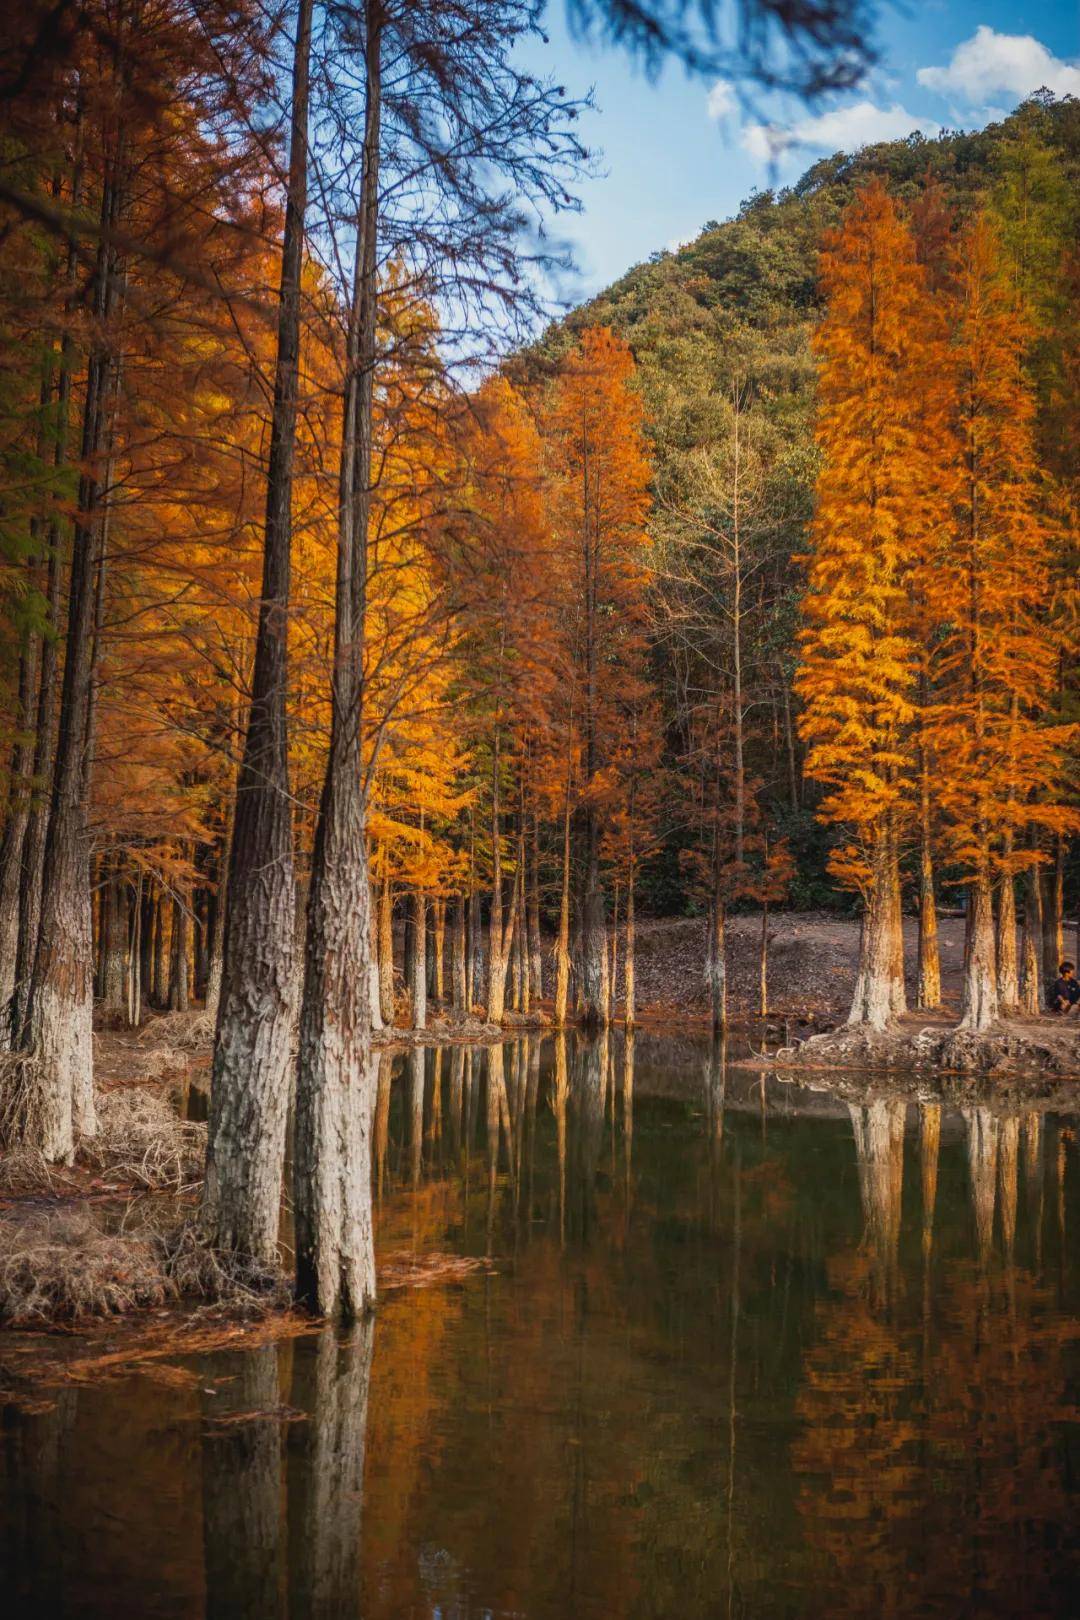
column 114, row 928
column 1031, row 943
column 593, row 953
column 458, row 964
column 386, row 951
column 1007, row 969
column 33, row 855
column 536, row 953
column 629, row 971
column 879, row 989
column 928, row 987
column 13, row 842
column 335, row 1249
column 439, row 950
column 562, row 947
column 179, row 993
column 252, row 1049
column 763, row 962
column 979, row 1008
column 59, row 1009
column 416, row 959
column 161, row 972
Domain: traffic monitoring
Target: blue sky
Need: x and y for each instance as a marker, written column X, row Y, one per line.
column 678, row 153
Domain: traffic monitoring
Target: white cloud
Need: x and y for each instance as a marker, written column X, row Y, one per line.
column 845, row 129
column 721, row 100
column 990, row 62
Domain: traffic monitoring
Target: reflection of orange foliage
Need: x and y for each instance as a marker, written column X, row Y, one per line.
column 913, row 1432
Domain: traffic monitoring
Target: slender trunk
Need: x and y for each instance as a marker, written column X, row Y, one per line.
column 13, row 842
column 716, row 944
column 593, row 957
column 789, row 740
column 439, row 944
column 979, row 1008
column 178, row 964
column 536, row 954
column 416, row 965
column 335, row 1251
column 114, row 930
column 161, row 974
column 763, row 962
column 1007, row 968
column 629, row 980
column 928, row 988
column 1030, row 999
column 146, row 937
column 613, row 972
column 458, row 963
column 879, row 986
column 386, row 951
column 135, row 956
column 562, row 948
column 1052, row 941
column 59, row 1010
column 252, row 1050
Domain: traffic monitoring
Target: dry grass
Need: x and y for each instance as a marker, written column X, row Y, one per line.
column 20, row 1099
column 234, row 1281
column 61, row 1267
column 142, row 1142
column 191, row 1031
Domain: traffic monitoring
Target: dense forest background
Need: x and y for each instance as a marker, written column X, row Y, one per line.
column 738, row 307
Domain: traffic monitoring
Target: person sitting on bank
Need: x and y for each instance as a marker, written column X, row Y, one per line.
column 1065, row 996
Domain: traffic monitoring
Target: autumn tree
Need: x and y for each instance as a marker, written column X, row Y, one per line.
column 857, row 675
column 600, row 475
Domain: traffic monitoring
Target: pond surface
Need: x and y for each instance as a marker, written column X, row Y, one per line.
column 740, row 1351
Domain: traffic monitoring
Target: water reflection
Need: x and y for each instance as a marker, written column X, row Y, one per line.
column 714, row 1369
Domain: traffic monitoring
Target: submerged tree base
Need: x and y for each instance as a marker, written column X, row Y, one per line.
column 1006, row 1049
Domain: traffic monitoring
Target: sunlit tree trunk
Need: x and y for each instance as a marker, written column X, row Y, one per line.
column 178, row 967
column 59, row 1010
column 1007, row 968
column 562, row 947
column 536, row 954
column 416, row 959
column 979, row 1008
column 928, row 980
column 335, row 1094
column 629, row 973
column 249, row 1092
column 386, row 950
column 879, row 988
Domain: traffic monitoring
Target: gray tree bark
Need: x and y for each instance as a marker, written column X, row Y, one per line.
column 252, row 1049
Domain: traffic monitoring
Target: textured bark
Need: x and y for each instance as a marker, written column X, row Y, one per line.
column 59, row 1008
column 178, row 963
column 114, row 928
column 386, row 951
column 330, row 1383
column 439, row 949
column 1007, row 967
column 562, row 948
column 416, row 960
column 536, row 953
column 716, row 962
column 629, row 967
column 252, row 1048
column 1030, row 942
column 160, row 991
column 928, row 983
column 592, row 976
column 879, row 987
column 458, row 954
column 13, row 841
column 979, row 1007
column 1053, row 943
column 763, row 962
column 335, row 1095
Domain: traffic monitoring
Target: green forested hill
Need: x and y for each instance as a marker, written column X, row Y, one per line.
column 735, row 310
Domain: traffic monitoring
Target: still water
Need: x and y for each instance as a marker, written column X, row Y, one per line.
column 739, row 1350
